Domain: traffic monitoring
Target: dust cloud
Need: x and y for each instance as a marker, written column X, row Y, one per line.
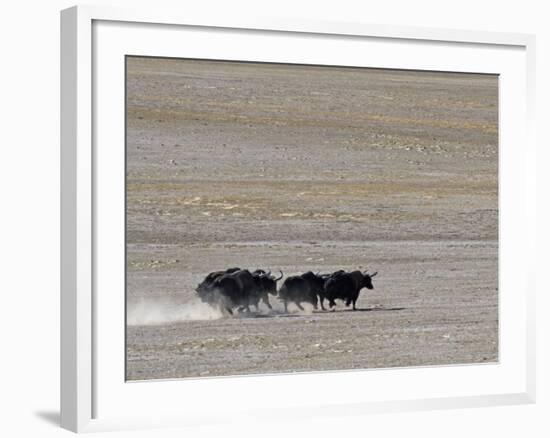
column 155, row 312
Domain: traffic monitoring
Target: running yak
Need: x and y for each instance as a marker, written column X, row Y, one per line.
column 300, row 289
column 266, row 284
column 237, row 288
column 207, row 283
column 321, row 293
column 346, row 286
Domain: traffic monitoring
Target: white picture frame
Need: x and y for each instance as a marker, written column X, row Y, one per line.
column 94, row 395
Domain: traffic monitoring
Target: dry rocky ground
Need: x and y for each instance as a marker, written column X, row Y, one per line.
column 310, row 168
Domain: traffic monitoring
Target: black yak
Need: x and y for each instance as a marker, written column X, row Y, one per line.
column 266, row 284
column 325, row 278
column 237, row 288
column 301, row 289
column 231, row 290
column 208, row 281
column 346, row 287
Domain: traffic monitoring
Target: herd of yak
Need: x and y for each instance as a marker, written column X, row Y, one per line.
column 238, row 289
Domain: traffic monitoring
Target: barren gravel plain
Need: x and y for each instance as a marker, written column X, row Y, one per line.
column 298, row 168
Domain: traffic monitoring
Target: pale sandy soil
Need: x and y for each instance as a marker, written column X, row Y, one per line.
column 308, row 168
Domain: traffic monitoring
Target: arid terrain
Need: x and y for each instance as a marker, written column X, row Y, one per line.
column 299, row 168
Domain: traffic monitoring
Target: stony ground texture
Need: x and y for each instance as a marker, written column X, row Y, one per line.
column 310, row 168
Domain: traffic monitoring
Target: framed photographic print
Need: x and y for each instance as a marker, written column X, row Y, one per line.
column 341, row 212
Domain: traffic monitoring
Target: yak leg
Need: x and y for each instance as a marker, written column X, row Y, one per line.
column 299, row 305
column 244, row 308
column 266, row 301
column 286, row 306
column 332, row 305
column 314, row 301
column 354, row 299
column 322, row 299
column 225, row 309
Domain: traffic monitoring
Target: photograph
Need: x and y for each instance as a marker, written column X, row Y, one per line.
column 291, row 218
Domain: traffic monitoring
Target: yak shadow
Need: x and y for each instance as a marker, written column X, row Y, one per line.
column 254, row 315
column 277, row 314
column 372, row 309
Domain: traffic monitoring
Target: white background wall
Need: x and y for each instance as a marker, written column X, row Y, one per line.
column 29, row 213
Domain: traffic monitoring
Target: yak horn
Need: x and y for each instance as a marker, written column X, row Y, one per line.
column 277, row 279
column 372, row 275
